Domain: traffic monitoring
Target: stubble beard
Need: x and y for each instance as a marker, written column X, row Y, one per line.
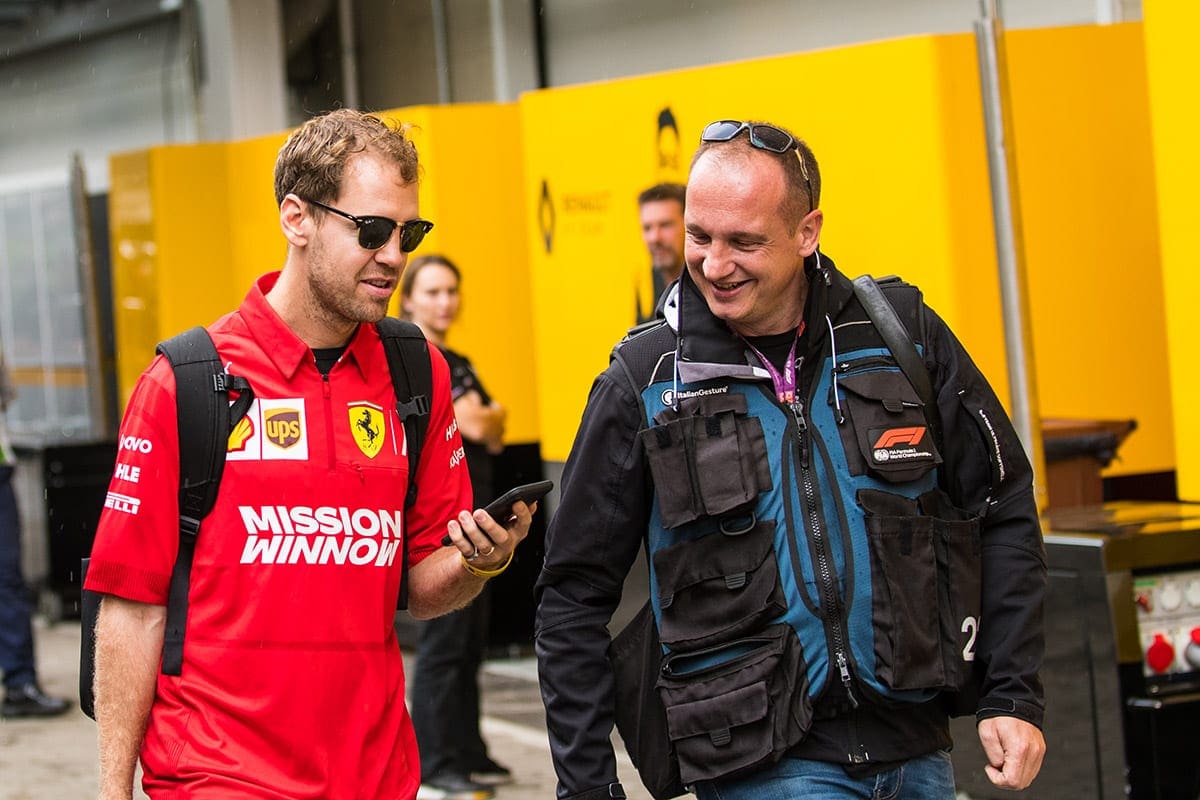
column 337, row 307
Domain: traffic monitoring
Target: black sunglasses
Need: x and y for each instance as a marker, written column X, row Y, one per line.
column 374, row 232
column 764, row 137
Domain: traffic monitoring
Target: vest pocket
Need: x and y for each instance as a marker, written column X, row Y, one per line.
column 887, row 435
column 737, row 706
column 925, row 582
column 718, row 587
column 707, row 457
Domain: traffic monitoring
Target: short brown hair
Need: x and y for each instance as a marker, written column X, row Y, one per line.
column 313, row 159
column 663, row 191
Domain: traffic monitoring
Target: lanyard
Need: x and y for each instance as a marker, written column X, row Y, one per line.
column 785, row 381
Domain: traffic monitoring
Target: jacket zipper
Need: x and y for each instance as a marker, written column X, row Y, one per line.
column 327, row 392
column 827, row 580
column 824, row 568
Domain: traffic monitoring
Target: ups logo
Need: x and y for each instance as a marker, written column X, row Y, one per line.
column 282, row 426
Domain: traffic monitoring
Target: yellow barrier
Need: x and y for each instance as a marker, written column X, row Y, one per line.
column 471, row 158
column 1173, row 64
column 1086, row 174
column 536, row 202
column 170, row 231
column 897, row 128
column 193, row 225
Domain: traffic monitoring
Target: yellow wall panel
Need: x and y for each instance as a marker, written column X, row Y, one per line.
column 194, row 225
column 256, row 242
column 134, row 265
column 193, row 228
column 875, row 116
column 1171, row 27
column 470, row 189
column 1086, row 176
column 536, row 202
column 897, row 127
column 170, row 231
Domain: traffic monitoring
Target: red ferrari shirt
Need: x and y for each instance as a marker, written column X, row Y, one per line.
column 292, row 683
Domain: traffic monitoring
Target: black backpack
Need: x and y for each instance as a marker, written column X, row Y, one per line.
column 202, row 388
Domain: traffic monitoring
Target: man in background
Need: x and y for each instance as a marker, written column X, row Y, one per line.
column 22, row 695
column 660, row 209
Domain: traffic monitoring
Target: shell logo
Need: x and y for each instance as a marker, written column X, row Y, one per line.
column 240, row 435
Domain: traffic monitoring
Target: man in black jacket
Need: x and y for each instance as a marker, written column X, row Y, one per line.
column 835, row 567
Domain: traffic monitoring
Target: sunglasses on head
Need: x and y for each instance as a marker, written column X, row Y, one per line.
column 374, row 232
column 764, row 137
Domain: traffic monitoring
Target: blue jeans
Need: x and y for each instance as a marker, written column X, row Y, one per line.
column 929, row 777
column 16, row 608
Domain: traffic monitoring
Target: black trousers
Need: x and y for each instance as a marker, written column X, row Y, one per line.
column 16, row 608
column 444, row 692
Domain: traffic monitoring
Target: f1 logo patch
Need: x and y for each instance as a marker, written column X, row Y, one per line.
column 895, row 436
column 899, row 445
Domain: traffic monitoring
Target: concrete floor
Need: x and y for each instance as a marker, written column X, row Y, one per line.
column 52, row 759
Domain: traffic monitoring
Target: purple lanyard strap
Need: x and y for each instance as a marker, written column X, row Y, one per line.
column 785, row 381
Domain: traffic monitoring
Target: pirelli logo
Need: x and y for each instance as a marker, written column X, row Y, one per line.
column 123, row 503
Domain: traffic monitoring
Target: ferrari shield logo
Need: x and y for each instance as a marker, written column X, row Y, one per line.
column 367, row 427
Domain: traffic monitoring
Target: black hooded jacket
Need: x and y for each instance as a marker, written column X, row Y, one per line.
column 605, row 508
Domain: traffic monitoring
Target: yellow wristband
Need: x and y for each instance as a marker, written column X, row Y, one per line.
column 484, row 573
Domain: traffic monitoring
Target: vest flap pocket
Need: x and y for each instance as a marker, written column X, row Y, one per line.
column 925, row 577
column 716, row 716
column 668, row 449
column 717, row 555
column 904, row 607
column 888, row 387
column 887, row 434
column 718, row 587
column 707, row 458
column 732, row 708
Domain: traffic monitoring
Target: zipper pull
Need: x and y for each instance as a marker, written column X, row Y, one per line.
column 797, row 407
column 844, row 670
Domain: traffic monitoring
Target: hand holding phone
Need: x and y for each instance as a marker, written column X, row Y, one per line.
column 500, row 509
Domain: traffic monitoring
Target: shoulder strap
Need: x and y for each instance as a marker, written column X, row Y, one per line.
column 641, row 353
column 407, row 353
column 205, row 420
column 899, row 341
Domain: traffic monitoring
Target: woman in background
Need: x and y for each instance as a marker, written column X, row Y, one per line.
column 445, row 688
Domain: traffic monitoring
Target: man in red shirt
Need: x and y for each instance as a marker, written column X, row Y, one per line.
column 292, row 683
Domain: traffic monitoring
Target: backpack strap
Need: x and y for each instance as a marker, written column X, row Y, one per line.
column 205, row 420
column 899, row 341
column 407, row 353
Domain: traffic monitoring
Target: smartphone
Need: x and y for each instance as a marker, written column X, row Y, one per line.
column 500, row 509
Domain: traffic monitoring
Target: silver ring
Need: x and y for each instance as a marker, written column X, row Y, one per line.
column 473, row 556
column 488, row 552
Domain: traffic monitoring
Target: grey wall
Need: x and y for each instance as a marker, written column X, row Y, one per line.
column 121, row 91
column 589, row 40
column 187, row 70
